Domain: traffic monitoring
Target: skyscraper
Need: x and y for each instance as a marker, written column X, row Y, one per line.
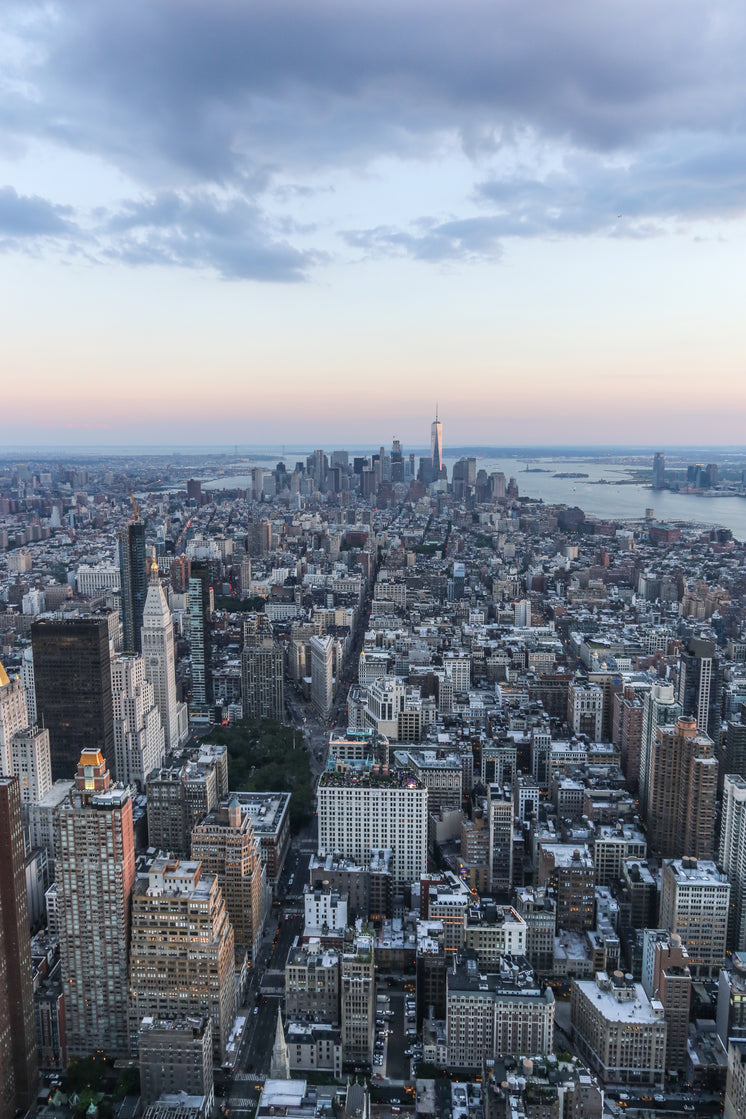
column 701, row 686
column 200, row 636
column 72, row 670
column 358, row 999
column 225, row 843
column 436, row 446
column 660, row 708
column 134, row 583
column 659, row 470
column 682, row 792
column 322, row 674
column 95, row 874
column 18, row 1053
column 31, row 763
column 13, row 716
column 160, row 665
column 139, row 744
column 182, row 961
column 732, row 855
column 262, row 679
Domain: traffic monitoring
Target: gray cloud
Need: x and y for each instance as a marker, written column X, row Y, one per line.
column 625, row 107
column 230, row 237
column 223, row 90
column 466, row 239
column 26, row 217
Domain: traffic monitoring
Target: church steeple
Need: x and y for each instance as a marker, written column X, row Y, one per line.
column 279, row 1068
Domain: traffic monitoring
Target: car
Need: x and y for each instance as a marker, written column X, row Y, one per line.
column 659, row 1097
column 256, row 1009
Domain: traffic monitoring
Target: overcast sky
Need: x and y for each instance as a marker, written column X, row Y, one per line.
column 281, row 221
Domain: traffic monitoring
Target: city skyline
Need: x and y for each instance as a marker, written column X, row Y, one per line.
column 533, row 216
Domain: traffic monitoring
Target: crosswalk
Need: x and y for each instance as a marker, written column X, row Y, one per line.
column 242, row 1105
column 252, row 1077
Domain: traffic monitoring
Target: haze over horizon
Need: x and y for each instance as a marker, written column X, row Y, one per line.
column 231, row 223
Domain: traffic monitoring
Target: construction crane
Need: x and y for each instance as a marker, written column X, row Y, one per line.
column 135, row 507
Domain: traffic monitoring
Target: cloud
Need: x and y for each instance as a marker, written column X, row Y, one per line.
column 568, row 115
column 225, row 90
column 199, row 231
column 467, row 239
column 26, row 217
column 230, row 237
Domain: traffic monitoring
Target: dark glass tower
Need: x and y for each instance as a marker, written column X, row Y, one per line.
column 72, row 673
column 701, row 686
column 134, row 583
column 200, row 635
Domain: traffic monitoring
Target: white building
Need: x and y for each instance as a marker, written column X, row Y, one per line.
column 732, row 853
column 158, row 656
column 31, row 763
column 139, row 743
column 364, row 810
column 619, row 1031
column 13, row 717
column 91, row 581
column 695, row 902
column 29, row 684
column 324, row 908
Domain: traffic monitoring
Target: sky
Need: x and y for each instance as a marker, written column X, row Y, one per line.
column 291, row 221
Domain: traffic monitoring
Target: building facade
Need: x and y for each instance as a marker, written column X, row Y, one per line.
column 95, row 876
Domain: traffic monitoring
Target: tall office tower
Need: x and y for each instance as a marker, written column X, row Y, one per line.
column 701, row 686
column 322, row 674
column 180, row 570
column 357, row 817
column 134, row 581
column 13, row 716
column 194, row 490
column 735, row 747
column 358, row 1000
column 139, row 743
column 246, row 576
column 585, row 709
column 659, row 470
column 225, row 843
column 732, row 855
column 262, row 679
column 682, row 793
column 672, row 985
column 175, row 1055
column 181, row 956
column 95, row 875
column 72, row 668
column 695, row 900
column 168, row 810
column 660, row 709
column 397, row 462
column 31, row 763
column 500, row 817
column 259, row 538
column 19, row 1061
column 626, row 728
column 29, row 684
column 436, row 446
column 200, row 635
column 160, row 664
